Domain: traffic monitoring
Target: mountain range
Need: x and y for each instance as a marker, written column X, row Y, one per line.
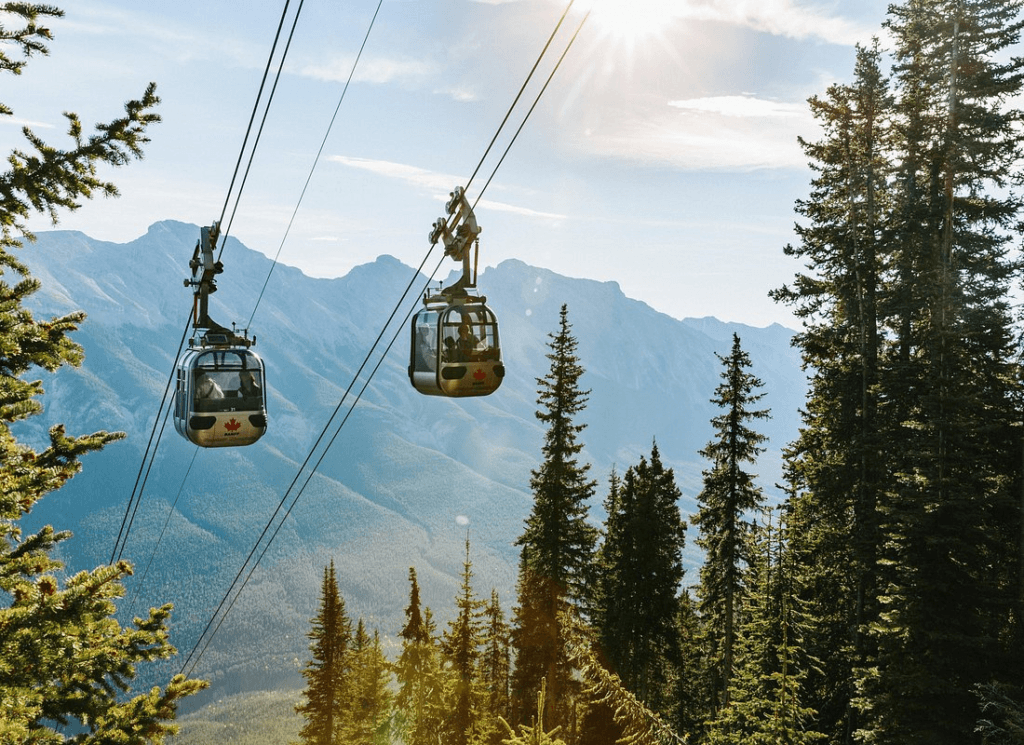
column 406, row 479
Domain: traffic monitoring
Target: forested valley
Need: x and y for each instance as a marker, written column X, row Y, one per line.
column 881, row 602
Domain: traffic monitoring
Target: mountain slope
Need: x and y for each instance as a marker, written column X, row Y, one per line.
column 406, row 476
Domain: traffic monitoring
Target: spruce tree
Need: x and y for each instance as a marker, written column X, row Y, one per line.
column 419, row 704
column 838, row 466
column 327, row 672
column 641, row 577
column 950, row 574
column 495, row 672
column 906, row 475
column 766, row 693
column 461, row 649
column 694, row 695
column 66, row 664
column 557, row 545
column 369, row 698
column 728, row 497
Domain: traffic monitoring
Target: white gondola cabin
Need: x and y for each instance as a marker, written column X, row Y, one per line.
column 455, row 349
column 219, row 398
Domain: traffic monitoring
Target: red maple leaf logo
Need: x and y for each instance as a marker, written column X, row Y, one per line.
column 479, row 374
column 232, row 425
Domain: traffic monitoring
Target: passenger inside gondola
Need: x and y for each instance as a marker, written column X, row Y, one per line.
column 249, row 388
column 208, row 391
column 467, row 344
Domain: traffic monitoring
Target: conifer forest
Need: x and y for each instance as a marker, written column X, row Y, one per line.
column 877, row 598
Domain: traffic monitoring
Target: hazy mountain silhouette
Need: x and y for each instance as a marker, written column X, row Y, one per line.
column 406, row 477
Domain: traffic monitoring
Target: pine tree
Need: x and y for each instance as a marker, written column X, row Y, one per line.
column 536, row 733
column 765, row 701
column 65, row 662
column 557, row 546
column 694, row 695
column 495, row 672
column 369, row 694
column 631, row 722
column 461, row 649
column 641, row 576
column 420, row 704
column 728, row 495
column 838, row 468
column 327, row 673
column 950, row 585
column 906, row 476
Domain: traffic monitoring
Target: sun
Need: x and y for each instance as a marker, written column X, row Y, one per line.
column 631, row 20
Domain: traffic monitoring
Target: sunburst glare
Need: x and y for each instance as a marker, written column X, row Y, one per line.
column 632, row 20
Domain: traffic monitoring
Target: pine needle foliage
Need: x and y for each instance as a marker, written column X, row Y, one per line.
column 557, row 546
column 495, row 671
column 420, row 705
column 639, row 725
column 460, row 647
column 370, row 698
column 636, row 610
column 66, row 665
column 728, row 497
column 328, row 670
column 907, row 472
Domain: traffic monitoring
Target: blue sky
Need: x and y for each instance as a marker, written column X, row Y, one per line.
column 662, row 156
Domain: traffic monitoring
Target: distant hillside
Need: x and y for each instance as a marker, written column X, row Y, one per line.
column 260, row 718
column 406, row 472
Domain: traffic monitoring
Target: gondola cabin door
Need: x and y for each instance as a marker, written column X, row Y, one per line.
column 219, row 397
column 455, row 350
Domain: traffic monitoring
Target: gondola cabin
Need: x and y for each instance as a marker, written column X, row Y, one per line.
column 455, row 350
column 219, row 397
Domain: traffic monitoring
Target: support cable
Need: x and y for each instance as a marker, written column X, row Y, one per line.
column 151, row 448
column 316, row 160
column 200, row 647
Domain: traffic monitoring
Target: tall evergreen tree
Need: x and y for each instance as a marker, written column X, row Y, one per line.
column 327, row 672
column 766, row 699
column 419, row 704
column 907, row 471
column 694, row 694
column 728, row 497
column 461, row 648
column 495, row 672
column 838, row 465
column 641, row 577
column 557, row 546
column 65, row 662
column 369, row 693
column 950, row 578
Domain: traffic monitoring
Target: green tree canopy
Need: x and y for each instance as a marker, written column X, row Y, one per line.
column 66, row 665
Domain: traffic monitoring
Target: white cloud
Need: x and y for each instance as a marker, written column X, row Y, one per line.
column 437, row 183
column 741, row 106
column 786, row 18
column 727, row 132
column 14, row 121
column 374, row 70
column 412, row 175
column 780, row 18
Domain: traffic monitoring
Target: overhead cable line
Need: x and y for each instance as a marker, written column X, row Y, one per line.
column 160, row 538
column 522, row 88
column 256, row 105
column 298, row 474
column 266, row 110
column 535, row 102
column 151, row 448
column 316, row 160
column 200, row 647
column 196, row 651
column 136, row 496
